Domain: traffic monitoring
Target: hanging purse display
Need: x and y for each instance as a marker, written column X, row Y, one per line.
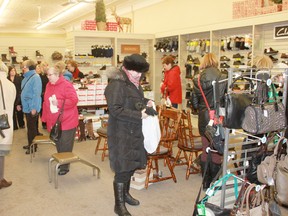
column 265, row 170
column 4, row 123
column 265, row 117
column 235, row 105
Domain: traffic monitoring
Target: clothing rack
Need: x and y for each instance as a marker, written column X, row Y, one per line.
column 248, row 74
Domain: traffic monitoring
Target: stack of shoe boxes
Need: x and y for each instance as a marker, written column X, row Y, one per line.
column 138, row 179
column 88, row 25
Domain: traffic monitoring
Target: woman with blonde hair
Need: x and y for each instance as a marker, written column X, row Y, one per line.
column 209, row 73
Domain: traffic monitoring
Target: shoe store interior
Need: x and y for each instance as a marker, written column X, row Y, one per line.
column 133, row 107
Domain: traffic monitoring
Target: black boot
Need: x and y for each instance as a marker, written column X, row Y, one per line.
column 207, row 178
column 128, row 198
column 14, row 61
column 214, row 169
column 188, row 71
column 120, row 208
column 4, row 58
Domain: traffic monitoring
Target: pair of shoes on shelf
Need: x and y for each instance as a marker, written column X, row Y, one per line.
column 63, row 172
column 4, row 183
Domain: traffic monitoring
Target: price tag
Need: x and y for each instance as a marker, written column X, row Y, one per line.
column 265, row 113
column 201, row 209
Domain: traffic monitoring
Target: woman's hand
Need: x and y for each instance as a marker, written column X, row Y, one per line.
column 144, row 115
column 150, row 103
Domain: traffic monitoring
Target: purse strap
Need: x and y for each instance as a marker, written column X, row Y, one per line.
column 61, row 111
column 27, row 81
column 202, row 93
column 2, row 95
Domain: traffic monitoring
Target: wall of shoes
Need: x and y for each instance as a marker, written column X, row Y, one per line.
column 15, row 49
column 235, row 47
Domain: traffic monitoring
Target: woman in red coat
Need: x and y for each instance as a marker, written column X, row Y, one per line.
column 61, row 93
column 172, row 81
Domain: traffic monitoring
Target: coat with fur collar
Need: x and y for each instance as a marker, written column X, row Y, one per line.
column 125, row 138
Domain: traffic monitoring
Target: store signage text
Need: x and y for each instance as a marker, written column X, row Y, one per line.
column 130, row 49
column 280, row 32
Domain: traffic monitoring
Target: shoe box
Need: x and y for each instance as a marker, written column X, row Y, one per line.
column 138, row 179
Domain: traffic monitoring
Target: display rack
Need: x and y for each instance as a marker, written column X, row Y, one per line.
column 236, row 140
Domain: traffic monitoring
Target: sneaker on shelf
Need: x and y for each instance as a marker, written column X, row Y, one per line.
column 190, row 59
column 238, row 63
column 224, row 65
column 237, row 56
column 284, row 55
column 196, row 61
column 270, row 51
column 224, row 58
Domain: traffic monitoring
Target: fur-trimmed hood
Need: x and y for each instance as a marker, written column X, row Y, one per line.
column 115, row 73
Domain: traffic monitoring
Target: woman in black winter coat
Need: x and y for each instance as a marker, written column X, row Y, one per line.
column 209, row 73
column 18, row 116
column 127, row 108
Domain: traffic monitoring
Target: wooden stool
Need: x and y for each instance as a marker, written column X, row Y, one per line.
column 39, row 140
column 102, row 132
column 66, row 158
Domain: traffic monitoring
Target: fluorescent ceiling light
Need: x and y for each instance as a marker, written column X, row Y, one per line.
column 61, row 15
column 3, row 6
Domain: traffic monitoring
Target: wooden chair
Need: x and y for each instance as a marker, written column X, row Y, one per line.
column 188, row 143
column 102, row 132
column 169, row 120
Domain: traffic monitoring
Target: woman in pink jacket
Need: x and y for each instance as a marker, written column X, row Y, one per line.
column 61, row 93
column 171, row 85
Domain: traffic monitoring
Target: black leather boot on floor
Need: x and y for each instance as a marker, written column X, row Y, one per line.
column 120, row 208
column 128, row 198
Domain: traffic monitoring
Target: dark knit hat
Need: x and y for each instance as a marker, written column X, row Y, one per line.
column 136, row 62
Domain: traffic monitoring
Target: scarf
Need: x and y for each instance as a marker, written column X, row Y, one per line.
column 135, row 79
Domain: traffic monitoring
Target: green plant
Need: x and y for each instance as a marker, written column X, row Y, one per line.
column 100, row 11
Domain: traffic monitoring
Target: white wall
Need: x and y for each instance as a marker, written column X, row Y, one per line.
column 173, row 17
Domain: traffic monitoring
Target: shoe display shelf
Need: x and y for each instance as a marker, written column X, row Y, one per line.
column 252, row 40
column 83, row 44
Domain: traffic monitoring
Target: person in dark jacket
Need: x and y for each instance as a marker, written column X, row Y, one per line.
column 127, row 107
column 209, row 73
column 18, row 116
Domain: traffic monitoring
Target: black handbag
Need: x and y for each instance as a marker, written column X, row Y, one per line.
column 215, row 135
column 4, row 123
column 235, row 105
column 56, row 131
